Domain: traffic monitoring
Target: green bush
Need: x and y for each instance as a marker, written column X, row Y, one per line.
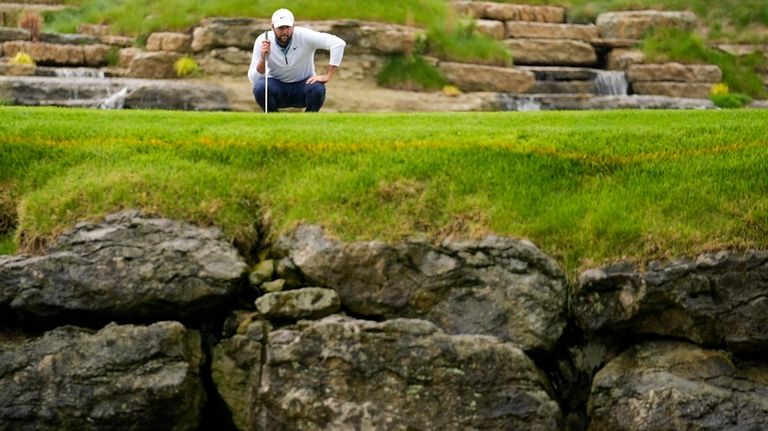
column 740, row 73
column 457, row 40
column 113, row 56
column 412, row 73
column 730, row 100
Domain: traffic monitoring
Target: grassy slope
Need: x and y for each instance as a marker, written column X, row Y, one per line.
column 744, row 20
column 587, row 187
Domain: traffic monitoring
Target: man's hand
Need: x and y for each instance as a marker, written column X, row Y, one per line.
column 264, row 49
column 318, row 78
column 323, row 78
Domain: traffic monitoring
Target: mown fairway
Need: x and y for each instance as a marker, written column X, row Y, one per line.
column 587, row 187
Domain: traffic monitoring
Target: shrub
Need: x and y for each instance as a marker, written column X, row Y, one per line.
column 33, row 23
column 22, row 58
column 113, row 56
column 739, row 73
column 186, row 66
column 457, row 40
column 721, row 96
column 412, row 73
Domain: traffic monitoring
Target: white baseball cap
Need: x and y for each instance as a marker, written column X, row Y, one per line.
column 282, row 17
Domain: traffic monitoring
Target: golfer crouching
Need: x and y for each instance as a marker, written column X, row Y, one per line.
column 290, row 69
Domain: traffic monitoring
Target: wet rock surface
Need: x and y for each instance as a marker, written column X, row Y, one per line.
column 339, row 373
column 466, row 334
column 675, row 385
column 718, row 299
column 128, row 267
column 120, row 377
column 465, row 287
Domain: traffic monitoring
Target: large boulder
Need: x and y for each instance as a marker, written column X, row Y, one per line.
column 551, row 52
column 635, row 24
column 225, row 62
column 239, row 33
column 623, row 58
column 126, row 267
column 491, row 27
column 669, row 385
column 675, row 72
column 717, row 299
column 699, row 90
column 537, row 30
column 121, row 377
column 510, row 12
column 169, row 41
column 495, row 286
column 47, row 53
column 474, row 77
column 236, row 370
column 153, row 65
column 185, row 96
column 343, row 373
column 97, row 92
column 372, row 38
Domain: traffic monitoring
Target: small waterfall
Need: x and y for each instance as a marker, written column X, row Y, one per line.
column 115, row 101
column 611, row 83
column 528, row 104
column 518, row 102
column 78, row 72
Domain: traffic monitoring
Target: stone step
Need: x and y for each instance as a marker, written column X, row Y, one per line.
column 472, row 77
column 550, row 52
column 705, row 73
column 635, row 24
column 565, row 102
column 510, row 12
column 538, row 30
column 673, row 89
column 140, row 93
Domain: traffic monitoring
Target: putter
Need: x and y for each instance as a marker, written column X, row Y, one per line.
column 266, row 76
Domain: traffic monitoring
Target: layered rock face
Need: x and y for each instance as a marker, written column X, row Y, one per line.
column 716, row 300
column 680, row 386
column 128, row 267
column 345, row 373
column 469, row 287
column 323, row 334
column 120, row 377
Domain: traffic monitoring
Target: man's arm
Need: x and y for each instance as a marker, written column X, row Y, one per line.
column 257, row 60
column 329, row 72
column 336, row 46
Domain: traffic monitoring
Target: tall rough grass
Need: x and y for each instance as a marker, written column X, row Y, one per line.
column 586, row 187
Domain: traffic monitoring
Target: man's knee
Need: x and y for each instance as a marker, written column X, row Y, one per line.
column 258, row 87
column 315, row 96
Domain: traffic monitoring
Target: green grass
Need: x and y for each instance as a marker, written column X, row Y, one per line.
column 587, row 187
column 723, row 17
column 137, row 17
column 412, row 73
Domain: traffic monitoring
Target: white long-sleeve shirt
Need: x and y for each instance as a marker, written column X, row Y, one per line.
column 299, row 62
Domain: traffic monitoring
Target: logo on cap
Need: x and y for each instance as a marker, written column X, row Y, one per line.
column 282, row 17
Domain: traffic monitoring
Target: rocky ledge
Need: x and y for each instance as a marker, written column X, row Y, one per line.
column 143, row 323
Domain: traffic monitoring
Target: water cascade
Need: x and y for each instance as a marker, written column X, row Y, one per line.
column 115, row 101
column 611, row 83
column 78, row 72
